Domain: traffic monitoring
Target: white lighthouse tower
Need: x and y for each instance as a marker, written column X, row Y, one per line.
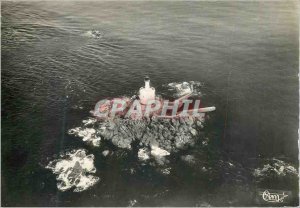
column 146, row 93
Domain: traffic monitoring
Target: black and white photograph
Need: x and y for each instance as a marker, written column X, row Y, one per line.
column 150, row 103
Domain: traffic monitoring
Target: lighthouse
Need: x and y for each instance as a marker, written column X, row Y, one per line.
column 146, row 93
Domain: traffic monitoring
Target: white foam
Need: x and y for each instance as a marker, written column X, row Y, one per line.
column 93, row 34
column 166, row 171
column 72, row 171
column 205, row 141
column 132, row 202
column 276, row 166
column 87, row 134
column 76, row 107
column 183, row 88
column 105, row 153
column 89, row 121
column 158, row 152
column 189, row 159
column 143, row 154
column 186, row 87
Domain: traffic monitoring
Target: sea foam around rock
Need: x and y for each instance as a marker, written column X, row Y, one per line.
column 74, row 170
column 275, row 167
column 178, row 89
column 168, row 135
column 152, row 134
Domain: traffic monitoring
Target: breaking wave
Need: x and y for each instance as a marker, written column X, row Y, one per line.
column 181, row 88
column 74, row 170
column 87, row 134
column 94, row 34
column 274, row 167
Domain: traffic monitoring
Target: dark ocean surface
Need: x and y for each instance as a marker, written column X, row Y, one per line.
column 54, row 70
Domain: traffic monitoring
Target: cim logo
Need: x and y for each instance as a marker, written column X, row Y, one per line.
column 273, row 196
